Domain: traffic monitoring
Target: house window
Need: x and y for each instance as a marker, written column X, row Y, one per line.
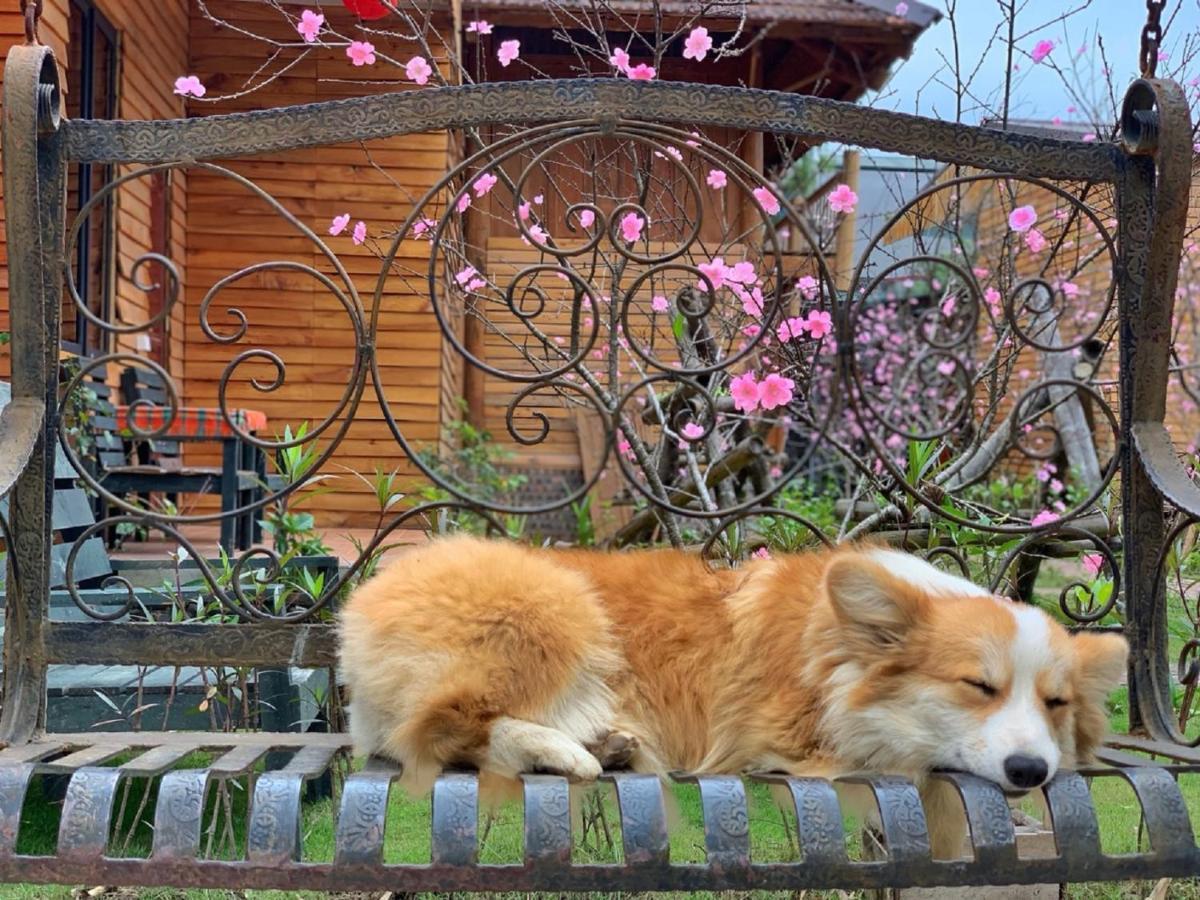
column 91, row 94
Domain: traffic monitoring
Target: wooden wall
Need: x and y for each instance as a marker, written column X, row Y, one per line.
column 153, row 52
column 290, row 312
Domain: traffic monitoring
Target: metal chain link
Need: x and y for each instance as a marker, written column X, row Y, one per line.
column 1151, row 36
column 31, row 11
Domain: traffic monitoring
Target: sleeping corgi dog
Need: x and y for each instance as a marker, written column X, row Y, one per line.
column 510, row 659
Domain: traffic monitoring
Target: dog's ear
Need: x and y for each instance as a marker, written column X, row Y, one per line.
column 1101, row 660
column 869, row 600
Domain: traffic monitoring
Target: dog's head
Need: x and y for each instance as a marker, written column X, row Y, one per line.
column 938, row 673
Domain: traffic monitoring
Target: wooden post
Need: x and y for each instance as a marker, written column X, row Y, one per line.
column 843, row 262
column 751, row 151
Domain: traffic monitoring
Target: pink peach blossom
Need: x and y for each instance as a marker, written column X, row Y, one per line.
column 791, row 329
column 717, row 179
column 1022, row 218
column 418, row 69
column 775, row 391
column 659, row 303
column 767, row 200
column 715, row 270
column 819, row 323
column 360, row 232
column 189, row 86
column 1045, row 517
column 361, row 53
column 902, row 9
column 641, row 72
column 464, row 200
column 697, row 44
column 509, row 50
column 484, row 183
column 586, row 218
column 1041, row 50
column 620, row 60
column 745, row 391
column 339, row 223
column 752, row 301
column 741, row 273
column 1035, row 241
column 842, row 199
column 808, row 287
column 692, row 431
column 631, row 227
column 309, row 25
column 479, row 26
column 1092, row 564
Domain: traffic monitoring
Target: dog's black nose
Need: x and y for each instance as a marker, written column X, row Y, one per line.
column 1026, row 771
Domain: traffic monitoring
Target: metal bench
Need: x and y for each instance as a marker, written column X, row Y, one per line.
column 1150, row 170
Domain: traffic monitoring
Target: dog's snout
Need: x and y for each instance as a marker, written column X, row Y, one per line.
column 1026, row 772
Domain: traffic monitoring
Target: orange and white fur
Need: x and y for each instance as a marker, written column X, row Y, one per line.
column 517, row 659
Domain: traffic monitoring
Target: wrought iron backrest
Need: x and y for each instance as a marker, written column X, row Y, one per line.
column 724, row 370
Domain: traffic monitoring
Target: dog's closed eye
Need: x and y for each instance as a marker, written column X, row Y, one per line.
column 1056, row 702
column 982, row 686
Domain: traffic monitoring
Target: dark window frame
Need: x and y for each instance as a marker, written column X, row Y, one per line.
column 91, row 178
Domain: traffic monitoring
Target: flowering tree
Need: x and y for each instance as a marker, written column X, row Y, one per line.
column 662, row 288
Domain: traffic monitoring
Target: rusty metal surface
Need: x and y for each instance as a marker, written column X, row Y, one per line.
column 535, row 102
column 273, row 857
column 34, row 192
column 1152, row 212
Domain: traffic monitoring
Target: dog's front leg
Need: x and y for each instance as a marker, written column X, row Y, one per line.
column 947, row 819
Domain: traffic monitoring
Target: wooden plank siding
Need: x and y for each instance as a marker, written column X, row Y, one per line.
column 152, row 53
column 290, row 312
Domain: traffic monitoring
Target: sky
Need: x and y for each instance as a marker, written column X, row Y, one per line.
column 923, row 85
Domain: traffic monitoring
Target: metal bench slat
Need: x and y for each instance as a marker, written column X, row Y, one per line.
column 87, row 813
column 643, row 820
column 726, row 820
column 455, row 820
column 819, row 826
column 155, row 760
column 88, row 756
column 547, row 820
column 901, row 818
column 14, row 784
column 35, row 750
column 310, row 762
column 1076, row 830
column 1164, row 810
column 988, row 817
column 273, row 837
column 178, row 814
column 363, row 817
column 238, row 760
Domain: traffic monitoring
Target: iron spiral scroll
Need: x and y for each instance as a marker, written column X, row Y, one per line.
column 649, row 297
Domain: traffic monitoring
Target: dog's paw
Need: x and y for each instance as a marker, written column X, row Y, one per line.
column 615, row 750
column 571, row 761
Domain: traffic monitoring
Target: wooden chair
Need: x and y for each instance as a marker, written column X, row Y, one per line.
column 144, row 467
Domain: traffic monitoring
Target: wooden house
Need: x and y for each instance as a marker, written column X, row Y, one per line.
column 121, row 58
